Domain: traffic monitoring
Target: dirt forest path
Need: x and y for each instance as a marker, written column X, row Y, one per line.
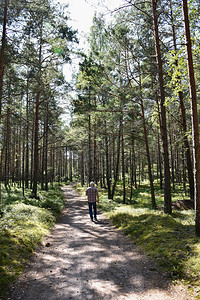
column 82, row 260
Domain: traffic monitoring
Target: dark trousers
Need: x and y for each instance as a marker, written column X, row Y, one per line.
column 92, row 207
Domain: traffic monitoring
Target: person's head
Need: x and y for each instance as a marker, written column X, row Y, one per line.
column 91, row 183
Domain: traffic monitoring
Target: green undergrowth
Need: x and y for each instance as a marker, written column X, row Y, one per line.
column 23, row 226
column 51, row 199
column 169, row 239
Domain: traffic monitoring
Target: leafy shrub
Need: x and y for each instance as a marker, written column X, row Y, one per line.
column 54, row 204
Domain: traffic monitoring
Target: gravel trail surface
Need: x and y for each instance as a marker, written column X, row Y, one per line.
column 83, row 260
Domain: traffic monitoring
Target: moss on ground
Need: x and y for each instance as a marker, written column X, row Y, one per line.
column 23, row 226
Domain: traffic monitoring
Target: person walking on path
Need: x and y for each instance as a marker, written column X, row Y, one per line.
column 93, row 197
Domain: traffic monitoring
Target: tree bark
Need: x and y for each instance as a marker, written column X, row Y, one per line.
column 7, row 148
column 89, row 146
column 167, row 184
column 95, row 156
column 82, row 167
column 183, row 117
column 46, row 146
column 187, row 148
column 172, row 160
column 42, row 160
column 23, row 162
column 194, row 116
column 70, row 166
column 3, row 45
column 108, row 179
column 27, row 138
column 66, row 164
column 153, row 200
column 116, row 170
column 132, row 169
column 103, row 170
column 36, row 129
column 160, row 163
column 32, row 153
column 36, row 160
column 123, row 162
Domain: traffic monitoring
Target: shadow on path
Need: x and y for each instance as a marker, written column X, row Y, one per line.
column 84, row 260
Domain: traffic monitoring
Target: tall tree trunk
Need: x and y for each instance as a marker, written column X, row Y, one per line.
column 139, row 169
column 160, row 163
column 95, row 156
column 167, row 186
column 108, row 179
column 36, row 160
column 98, row 163
column 89, row 150
column 132, row 169
column 53, row 162
column 95, row 149
column 46, row 146
column 153, row 200
column 66, row 163
column 42, row 161
column 123, row 162
column 135, row 168
column 113, row 152
column 187, row 148
column 172, row 159
column 36, row 133
column 100, row 169
column 82, row 167
column 20, row 154
column 26, row 175
column 159, row 148
column 17, row 156
column 89, row 146
column 1, row 167
column 194, row 116
column 103, row 170
column 7, row 148
column 183, row 117
column 70, row 166
column 23, row 162
column 183, row 170
column 32, row 153
column 3, row 45
column 116, row 171
column 13, row 159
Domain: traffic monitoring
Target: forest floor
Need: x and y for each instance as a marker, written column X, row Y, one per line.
column 84, row 260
